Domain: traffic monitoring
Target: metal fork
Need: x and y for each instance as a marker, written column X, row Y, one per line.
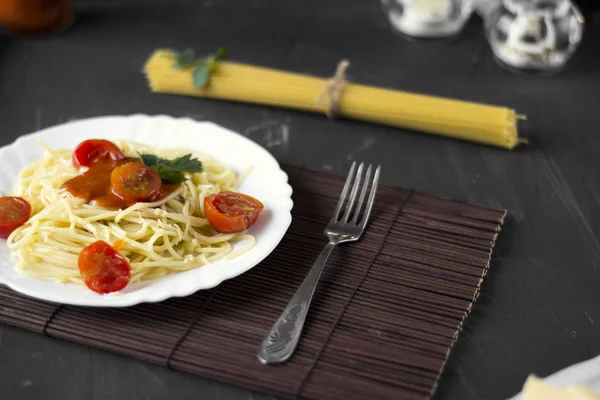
column 279, row 344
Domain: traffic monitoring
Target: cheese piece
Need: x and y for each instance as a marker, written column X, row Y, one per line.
column 582, row 393
column 536, row 389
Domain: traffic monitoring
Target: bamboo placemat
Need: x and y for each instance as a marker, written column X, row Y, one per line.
column 385, row 315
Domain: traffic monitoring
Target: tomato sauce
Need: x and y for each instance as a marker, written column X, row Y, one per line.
column 94, row 186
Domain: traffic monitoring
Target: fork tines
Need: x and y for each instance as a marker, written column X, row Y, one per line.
column 353, row 183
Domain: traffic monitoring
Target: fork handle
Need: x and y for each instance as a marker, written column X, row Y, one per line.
column 279, row 344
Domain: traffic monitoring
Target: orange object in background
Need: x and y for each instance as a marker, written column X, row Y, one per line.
column 35, row 16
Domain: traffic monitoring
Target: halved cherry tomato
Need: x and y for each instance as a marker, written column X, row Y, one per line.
column 14, row 212
column 103, row 269
column 135, row 182
column 94, row 150
column 231, row 212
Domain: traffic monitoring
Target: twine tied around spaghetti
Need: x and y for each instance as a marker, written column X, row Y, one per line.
column 333, row 90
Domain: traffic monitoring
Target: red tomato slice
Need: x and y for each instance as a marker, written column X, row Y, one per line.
column 14, row 212
column 103, row 269
column 135, row 182
column 91, row 151
column 231, row 212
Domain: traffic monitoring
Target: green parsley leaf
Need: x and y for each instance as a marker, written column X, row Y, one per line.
column 150, row 160
column 172, row 170
column 222, row 52
column 186, row 163
column 200, row 76
column 167, row 174
column 203, row 66
column 184, row 59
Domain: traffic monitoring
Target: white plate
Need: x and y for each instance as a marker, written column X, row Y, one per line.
column 266, row 182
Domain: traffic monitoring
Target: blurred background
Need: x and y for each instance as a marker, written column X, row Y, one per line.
column 62, row 60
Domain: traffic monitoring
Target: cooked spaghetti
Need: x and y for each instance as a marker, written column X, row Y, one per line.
column 157, row 238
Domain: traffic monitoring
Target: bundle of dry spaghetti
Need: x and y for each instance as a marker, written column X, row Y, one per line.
column 480, row 123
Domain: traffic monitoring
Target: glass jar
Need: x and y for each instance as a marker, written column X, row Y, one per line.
column 534, row 35
column 35, row 16
column 428, row 18
column 484, row 8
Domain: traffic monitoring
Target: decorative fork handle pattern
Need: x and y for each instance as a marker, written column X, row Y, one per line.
column 281, row 341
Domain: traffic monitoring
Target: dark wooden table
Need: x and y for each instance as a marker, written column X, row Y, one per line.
column 540, row 306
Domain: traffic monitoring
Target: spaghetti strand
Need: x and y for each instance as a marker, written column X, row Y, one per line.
column 167, row 236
